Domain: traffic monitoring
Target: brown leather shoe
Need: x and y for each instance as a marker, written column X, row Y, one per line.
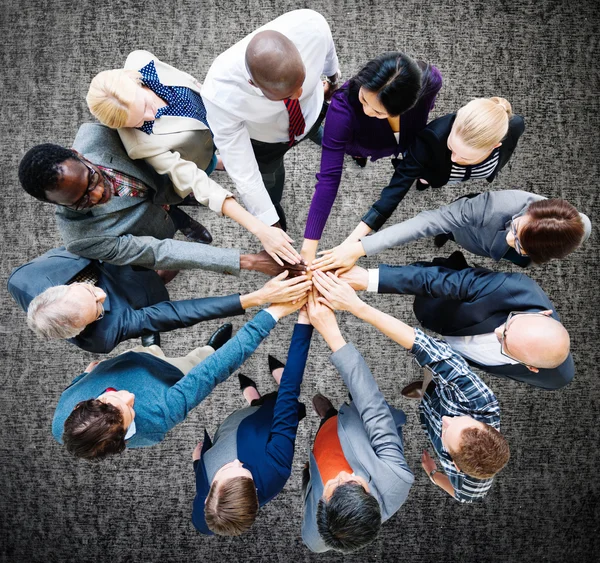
column 413, row 390
column 321, row 404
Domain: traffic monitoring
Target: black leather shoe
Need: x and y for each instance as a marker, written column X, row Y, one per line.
column 440, row 240
column 361, row 161
column 196, row 232
column 274, row 363
column 220, row 336
column 321, row 404
column 245, row 382
column 413, row 390
column 153, row 338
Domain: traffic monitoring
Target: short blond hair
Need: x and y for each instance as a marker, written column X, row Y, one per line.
column 231, row 507
column 111, row 94
column 483, row 122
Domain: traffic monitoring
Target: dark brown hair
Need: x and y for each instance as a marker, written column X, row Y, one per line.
column 231, row 507
column 483, row 452
column 554, row 230
column 94, row 430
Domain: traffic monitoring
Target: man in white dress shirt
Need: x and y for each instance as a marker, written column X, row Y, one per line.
column 253, row 88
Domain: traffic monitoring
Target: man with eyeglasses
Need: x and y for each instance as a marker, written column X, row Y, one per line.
column 501, row 323
column 96, row 305
column 121, row 211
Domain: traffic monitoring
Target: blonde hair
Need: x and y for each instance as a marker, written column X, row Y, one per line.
column 483, row 122
column 111, row 94
column 231, row 507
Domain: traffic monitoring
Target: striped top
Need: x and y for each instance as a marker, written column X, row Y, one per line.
column 484, row 169
column 457, row 392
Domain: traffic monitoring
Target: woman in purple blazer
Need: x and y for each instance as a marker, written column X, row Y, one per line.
column 376, row 114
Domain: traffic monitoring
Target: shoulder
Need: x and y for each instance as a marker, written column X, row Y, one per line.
column 516, row 126
column 138, row 59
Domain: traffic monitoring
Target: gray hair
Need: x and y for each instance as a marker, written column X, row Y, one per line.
column 52, row 315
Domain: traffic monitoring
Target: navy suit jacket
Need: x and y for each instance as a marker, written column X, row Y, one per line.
column 136, row 302
column 474, row 301
column 266, row 437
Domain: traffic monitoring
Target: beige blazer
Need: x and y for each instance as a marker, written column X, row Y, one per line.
column 181, row 147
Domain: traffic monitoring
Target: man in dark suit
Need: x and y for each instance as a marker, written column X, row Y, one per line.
column 502, row 323
column 96, row 305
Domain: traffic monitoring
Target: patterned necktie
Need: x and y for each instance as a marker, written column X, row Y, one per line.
column 297, row 124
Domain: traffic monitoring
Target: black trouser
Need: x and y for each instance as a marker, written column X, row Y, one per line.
column 269, row 157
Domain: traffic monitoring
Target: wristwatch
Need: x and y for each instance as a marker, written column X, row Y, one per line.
column 432, row 473
column 336, row 81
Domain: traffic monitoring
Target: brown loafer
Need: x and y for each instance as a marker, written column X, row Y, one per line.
column 321, row 404
column 413, row 390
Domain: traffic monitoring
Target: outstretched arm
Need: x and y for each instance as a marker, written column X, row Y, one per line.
column 338, row 294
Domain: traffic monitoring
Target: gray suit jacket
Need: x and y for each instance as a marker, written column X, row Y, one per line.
column 131, row 230
column 479, row 224
column 371, row 438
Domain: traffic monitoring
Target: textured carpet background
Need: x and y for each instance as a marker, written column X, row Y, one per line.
column 541, row 55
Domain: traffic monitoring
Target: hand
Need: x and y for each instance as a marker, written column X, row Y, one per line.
column 309, row 251
column 281, row 290
column 197, row 451
column 321, row 316
column 357, row 277
column 336, row 293
column 262, row 262
column 343, row 257
column 303, row 316
column 91, row 366
column 278, row 244
column 427, row 463
column 281, row 310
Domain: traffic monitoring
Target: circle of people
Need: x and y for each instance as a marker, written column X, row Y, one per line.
column 119, row 194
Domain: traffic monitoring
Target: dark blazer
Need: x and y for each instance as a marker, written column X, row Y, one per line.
column 430, row 159
column 136, row 302
column 474, row 301
column 265, row 435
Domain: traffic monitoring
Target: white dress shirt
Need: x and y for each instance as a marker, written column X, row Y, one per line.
column 238, row 112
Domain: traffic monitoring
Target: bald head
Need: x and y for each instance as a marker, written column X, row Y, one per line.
column 536, row 340
column 275, row 65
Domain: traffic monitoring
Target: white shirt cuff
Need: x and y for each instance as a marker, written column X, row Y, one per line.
column 269, row 217
column 268, row 310
column 373, row 284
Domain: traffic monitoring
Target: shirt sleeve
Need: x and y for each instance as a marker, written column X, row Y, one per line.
column 233, row 141
column 373, row 285
column 193, row 388
column 337, row 132
column 285, row 415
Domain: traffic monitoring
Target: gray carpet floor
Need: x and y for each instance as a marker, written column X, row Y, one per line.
column 540, row 54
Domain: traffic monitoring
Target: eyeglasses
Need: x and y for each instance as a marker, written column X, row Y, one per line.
column 99, row 306
column 511, row 315
column 84, row 200
column 518, row 247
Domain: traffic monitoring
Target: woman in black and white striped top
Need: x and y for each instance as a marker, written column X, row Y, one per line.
column 473, row 143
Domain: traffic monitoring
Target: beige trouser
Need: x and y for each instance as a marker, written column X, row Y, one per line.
column 185, row 363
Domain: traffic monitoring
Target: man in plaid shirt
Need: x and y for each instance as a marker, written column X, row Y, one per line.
column 461, row 416
column 458, row 411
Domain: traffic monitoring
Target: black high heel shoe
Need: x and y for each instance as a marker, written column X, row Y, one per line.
column 274, row 364
column 245, row 382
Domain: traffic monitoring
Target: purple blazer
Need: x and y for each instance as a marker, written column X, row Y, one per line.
column 349, row 131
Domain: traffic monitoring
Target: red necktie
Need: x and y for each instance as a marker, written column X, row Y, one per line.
column 297, row 124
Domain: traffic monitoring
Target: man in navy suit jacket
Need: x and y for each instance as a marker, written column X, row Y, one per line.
column 251, row 457
column 473, row 308
column 125, row 302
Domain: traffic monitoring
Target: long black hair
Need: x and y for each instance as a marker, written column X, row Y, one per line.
column 397, row 79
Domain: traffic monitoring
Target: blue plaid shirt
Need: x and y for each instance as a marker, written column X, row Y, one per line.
column 457, row 392
column 181, row 101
